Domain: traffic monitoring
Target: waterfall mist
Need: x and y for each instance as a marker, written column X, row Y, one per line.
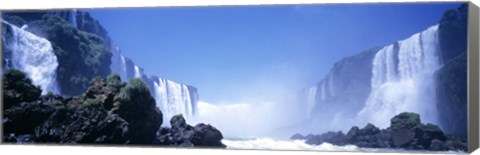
column 404, row 80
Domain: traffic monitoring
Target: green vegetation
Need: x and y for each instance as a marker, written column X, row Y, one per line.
column 134, row 89
column 81, row 55
column 115, row 83
column 91, row 102
column 405, row 120
column 18, row 88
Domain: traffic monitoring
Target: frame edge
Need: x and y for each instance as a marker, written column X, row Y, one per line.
column 473, row 77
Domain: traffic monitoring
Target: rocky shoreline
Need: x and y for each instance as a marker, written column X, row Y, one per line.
column 108, row 112
column 405, row 132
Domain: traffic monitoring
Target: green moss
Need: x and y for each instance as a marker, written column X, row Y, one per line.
column 135, row 87
column 115, row 83
column 91, row 102
column 405, row 120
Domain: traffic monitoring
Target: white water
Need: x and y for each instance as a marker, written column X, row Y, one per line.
column 34, row 56
column 322, row 91
column 331, row 87
column 271, row 144
column 173, row 98
column 311, row 99
column 410, row 87
column 138, row 74
column 73, row 18
column 300, row 145
column 118, row 64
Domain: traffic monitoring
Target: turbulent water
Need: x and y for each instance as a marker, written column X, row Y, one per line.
column 300, row 145
column 404, row 80
column 271, row 144
column 33, row 55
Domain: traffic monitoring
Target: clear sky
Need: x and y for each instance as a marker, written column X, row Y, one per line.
column 242, row 53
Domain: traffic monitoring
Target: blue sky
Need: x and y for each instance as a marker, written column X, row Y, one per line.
column 244, row 53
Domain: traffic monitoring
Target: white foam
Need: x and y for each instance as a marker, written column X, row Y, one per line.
column 412, row 89
column 34, row 56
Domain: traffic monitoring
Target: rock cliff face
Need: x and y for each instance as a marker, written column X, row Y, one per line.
column 452, row 77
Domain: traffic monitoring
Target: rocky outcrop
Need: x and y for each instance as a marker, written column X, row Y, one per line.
column 108, row 112
column 136, row 105
column 183, row 135
column 406, row 131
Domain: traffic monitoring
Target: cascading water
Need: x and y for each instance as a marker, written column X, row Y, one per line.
column 322, row 91
column 118, row 65
column 138, row 74
column 331, row 88
column 32, row 55
column 311, row 99
column 403, row 80
column 173, row 98
column 73, row 18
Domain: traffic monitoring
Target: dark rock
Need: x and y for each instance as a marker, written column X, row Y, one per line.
column 180, row 135
column 10, row 138
column 437, row 145
column 183, row 135
column 424, row 135
column 207, row 136
column 403, row 128
column 25, row 139
column 405, row 120
column 178, row 121
column 23, row 118
column 402, row 137
column 456, row 143
column 406, row 132
column 297, row 136
column 353, row 133
column 369, row 136
column 335, row 138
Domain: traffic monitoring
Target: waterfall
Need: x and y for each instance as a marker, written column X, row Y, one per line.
column 173, row 98
column 73, row 18
column 138, row 74
column 330, row 84
column 403, row 80
column 33, row 55
column 312, row 91
column 322, row 91
column 118, row 65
